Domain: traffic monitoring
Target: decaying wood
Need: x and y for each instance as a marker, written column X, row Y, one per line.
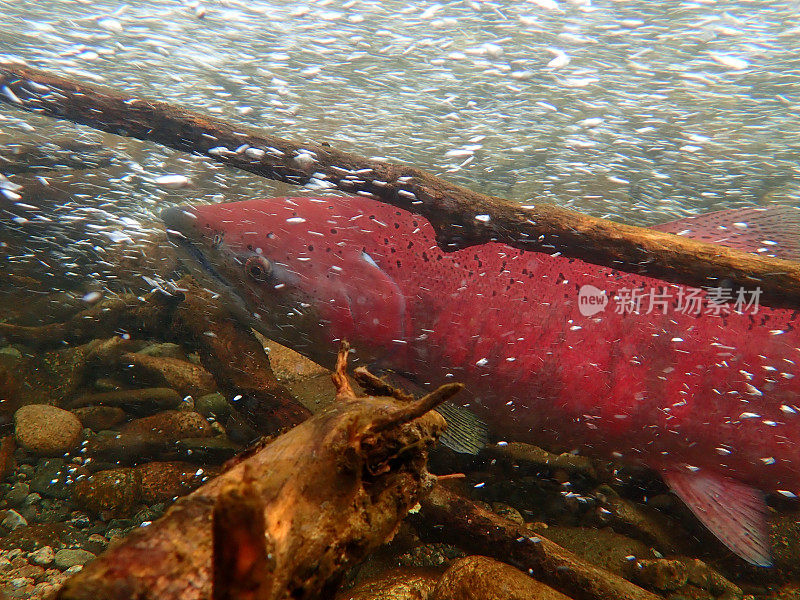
column 375, row 385
column 450, row 518
column 227, row 348
column 241, row 367
column 451, row 209
column 243, row 565
column 333, row 489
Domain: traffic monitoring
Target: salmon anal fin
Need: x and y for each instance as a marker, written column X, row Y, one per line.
column 734, row 512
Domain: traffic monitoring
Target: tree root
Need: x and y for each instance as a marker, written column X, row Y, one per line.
column 450, row 518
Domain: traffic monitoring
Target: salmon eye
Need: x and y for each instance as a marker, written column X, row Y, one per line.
column 258, row 268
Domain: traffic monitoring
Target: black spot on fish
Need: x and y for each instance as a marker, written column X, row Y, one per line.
column 310, row 248
column 397, row 225
column 334, row 231
column 410, row 245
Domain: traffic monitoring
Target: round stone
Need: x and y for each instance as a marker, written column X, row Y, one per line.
column 43, row 556
column 68, row 557
column 17, row 494
column 13, row 520
column 46, row 430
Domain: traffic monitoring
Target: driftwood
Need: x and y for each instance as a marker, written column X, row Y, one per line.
column 451, row 209
column 333, row 489
column 450, row 518
column 227, row 348
column 243, row 565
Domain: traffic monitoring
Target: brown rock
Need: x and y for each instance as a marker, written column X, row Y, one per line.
column 113, row 493
column 289, row 365
column 50, row 377
column 662, row 574
column 482, row 578
column 397, row 584
column 533, row 456
column 184, row 376
column 601, row 547
column 173, row 424
column 164, row 350
column 507, row 511
column 46, row 430
column 706, row 578
column 152, row 398
column 785, row 541
column 163, row 481
column 35, row 536
column 98, row 418
column 642, row 522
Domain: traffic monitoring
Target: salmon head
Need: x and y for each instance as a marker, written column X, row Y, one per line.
column 303, row 271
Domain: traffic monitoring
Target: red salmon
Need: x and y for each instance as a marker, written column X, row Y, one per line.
column 547, row 346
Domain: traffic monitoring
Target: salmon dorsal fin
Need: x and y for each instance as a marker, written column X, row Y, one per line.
column 767, row 231
column 734, row 512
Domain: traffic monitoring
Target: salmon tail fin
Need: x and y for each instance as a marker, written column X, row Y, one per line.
column 764, row 230
column 465, row 433
column 734, row 512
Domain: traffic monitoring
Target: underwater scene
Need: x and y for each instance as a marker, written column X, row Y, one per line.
column 390, row 300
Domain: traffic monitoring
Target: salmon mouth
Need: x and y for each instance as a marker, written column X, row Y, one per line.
column 178, row 221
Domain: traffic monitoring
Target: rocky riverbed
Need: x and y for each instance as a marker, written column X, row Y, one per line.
column 96, row 447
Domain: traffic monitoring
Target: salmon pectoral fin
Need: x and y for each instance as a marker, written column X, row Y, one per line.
column 734, row 512
column 465, row 432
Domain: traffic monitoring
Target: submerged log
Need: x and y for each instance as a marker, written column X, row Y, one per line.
column 333, row 489
column 453, row 519
column 243, row 565
column 460, row 216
